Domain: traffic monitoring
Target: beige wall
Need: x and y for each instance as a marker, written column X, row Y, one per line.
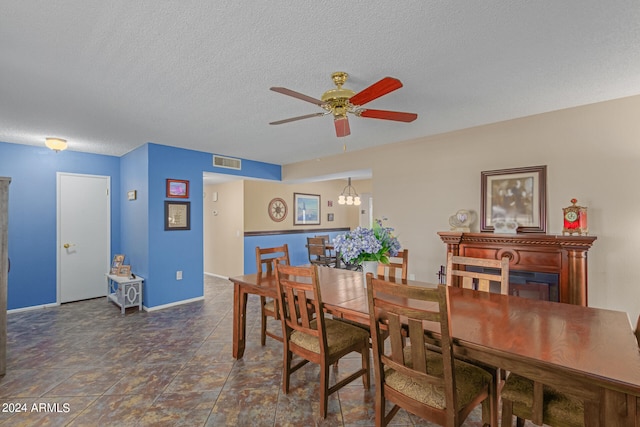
column 592, row 153
column 224, row 229
column 242, row 207
column 259, row 193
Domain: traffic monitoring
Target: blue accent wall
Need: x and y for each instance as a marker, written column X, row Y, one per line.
column 297, row 243
column 137, row 227
column 180, row 250
column 134, row 214
column 32, row 215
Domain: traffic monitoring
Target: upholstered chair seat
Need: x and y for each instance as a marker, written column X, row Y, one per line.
column 470, row 381
column 340, row 336
column 558, row 409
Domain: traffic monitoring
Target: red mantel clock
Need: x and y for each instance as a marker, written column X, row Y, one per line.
column 575, row 219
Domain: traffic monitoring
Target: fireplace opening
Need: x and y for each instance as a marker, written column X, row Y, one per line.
column 525, row 284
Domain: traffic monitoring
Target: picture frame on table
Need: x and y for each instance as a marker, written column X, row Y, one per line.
column 124, row 271
column 177, row 215
column 306, row 208
column 514, row 195
column 177, row 189
column 117, row 261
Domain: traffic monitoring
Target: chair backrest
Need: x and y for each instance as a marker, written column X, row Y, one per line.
column 324, row 237
column 397, row 267
column 317, row 249
column 266, row 258
column 463, row 277
column 637, row 331
column 299, row 298
column 392, row 307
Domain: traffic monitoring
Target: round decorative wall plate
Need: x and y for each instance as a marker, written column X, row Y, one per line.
column 277, row 209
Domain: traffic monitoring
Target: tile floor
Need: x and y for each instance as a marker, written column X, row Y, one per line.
column 84, row 364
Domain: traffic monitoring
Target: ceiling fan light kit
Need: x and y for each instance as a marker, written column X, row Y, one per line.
column 341, row 101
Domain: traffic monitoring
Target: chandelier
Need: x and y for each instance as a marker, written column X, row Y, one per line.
column 349, row 196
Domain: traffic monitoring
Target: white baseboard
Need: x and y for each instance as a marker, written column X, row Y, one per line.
column 173, row 304
column 33, row 307
column 216, row 275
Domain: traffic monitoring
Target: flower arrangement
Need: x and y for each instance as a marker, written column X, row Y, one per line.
column 367, row 244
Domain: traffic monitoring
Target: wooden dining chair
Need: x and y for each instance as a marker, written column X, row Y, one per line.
column 531, row 400
column 266, row 260
column 397, row 268
column 318, row 252
column 408, row 373
column 315, row 338
column 459, row 274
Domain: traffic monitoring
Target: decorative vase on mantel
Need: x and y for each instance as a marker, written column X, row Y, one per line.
column 368, row 267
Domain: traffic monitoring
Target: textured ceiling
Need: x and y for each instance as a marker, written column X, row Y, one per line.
column 109, row 76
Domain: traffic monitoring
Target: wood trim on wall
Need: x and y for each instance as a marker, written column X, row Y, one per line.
column 297, row 231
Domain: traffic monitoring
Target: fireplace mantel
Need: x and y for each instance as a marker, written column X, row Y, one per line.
column 547, row 253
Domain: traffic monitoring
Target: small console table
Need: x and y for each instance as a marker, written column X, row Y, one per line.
column 125, row 291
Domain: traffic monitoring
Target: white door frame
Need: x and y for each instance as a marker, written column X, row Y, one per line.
column 59, row 242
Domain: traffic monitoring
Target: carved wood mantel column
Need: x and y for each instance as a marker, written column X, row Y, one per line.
column 545, row 253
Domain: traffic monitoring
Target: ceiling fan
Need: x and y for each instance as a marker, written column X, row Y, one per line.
column 341, row 101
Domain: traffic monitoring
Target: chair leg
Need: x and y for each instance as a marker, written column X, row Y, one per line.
column 324, row 388
column 379, row 409
column 263, row 326
column 507, row 413
column 286, row 372
column 366, row 377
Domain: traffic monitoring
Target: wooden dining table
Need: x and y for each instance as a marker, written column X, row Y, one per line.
column 589, row 352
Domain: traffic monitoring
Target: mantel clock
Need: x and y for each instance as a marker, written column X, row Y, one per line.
column 575, row 219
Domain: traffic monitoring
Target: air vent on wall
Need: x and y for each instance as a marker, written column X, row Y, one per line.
column 227, row 162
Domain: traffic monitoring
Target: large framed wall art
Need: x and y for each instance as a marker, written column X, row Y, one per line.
column 517, row 195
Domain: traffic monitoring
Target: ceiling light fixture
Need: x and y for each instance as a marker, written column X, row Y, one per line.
column 349, row 196
column 56, row 144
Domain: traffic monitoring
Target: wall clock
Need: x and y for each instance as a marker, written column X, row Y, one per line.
column 277, row 209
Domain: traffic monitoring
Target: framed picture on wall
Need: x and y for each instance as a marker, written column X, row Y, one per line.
column 177, row 215
column 177, row 189
column 518, row 195
column 306, row 208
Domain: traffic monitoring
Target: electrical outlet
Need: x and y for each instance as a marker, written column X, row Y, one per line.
column 178, row 275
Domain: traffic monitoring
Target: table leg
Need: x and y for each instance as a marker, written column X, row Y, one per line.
column 239, row 321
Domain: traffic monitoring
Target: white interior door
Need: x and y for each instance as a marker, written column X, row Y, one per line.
column 84, row 230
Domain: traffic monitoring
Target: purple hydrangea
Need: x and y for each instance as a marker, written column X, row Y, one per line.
column 367, row 244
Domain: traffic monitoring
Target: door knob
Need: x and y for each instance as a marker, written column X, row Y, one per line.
column 68, row 245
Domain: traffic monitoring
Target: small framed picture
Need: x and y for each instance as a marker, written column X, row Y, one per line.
column 306, row 209
column 177, row 215
column 118, row 259
column 177, row 189
column 330, row 217
column 124, row 271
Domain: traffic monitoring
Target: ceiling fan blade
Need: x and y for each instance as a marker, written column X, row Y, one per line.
column 376, row 90
column 342, row 126
column 388, row 115
column 293, row 93
column 293, row 119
